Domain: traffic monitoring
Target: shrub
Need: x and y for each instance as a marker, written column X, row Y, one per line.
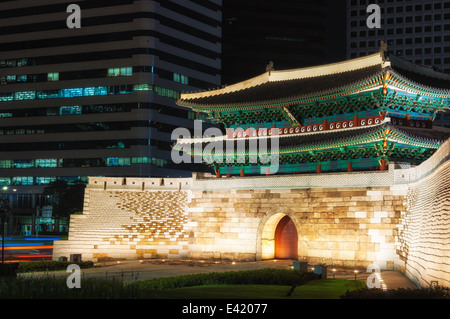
column 402, row 293
column 49, row 287
column 253, row 277
column 54, row 287
column 9, row 270
column 49, row 265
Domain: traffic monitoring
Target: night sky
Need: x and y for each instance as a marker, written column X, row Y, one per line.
column 292, row 34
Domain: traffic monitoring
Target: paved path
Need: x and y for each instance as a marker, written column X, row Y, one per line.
column 129, row 271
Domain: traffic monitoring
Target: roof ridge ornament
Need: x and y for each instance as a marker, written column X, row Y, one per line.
column 384, row 52
column 269, row 67
column 383, row 46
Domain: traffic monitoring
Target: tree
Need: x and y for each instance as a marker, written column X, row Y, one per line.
column 4, row 215
column 66, row 198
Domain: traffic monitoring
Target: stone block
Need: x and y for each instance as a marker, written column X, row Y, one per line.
column 361, row 214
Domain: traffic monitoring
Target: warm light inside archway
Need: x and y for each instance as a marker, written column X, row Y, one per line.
column 268, row 236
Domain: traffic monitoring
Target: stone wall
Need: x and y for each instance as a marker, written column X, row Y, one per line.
column 342, row 227
column 128, row 224
column 398, row 218
column 423, row 253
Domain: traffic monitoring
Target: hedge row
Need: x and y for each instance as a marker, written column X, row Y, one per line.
column 50, row 265
column 402, row 293
column 252, row 277
column 54, row 287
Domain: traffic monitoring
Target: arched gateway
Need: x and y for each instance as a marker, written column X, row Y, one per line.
column 279, row 238
column 286, row 239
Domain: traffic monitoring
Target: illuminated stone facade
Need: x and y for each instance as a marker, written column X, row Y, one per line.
column 363, row 177
column 398, row 218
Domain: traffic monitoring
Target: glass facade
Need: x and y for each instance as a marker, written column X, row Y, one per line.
column 88, row 91
column 100, row 103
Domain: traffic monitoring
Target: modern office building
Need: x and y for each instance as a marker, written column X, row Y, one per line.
column 98, row 100
column 291, row 34
column 415, row 30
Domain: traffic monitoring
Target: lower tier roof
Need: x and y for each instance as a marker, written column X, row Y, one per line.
column 349, row 138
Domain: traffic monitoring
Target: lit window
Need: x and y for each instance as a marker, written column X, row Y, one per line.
column 23, row 164
column 112, row 161
column 140, row 160
column 128, row 71
column 45, row 180
column 124, row 161
column 5, row 180
column 27, row 95
column 159, row 162
column 124, row 71
column 70, row 110
column 118, row 161
column 5, row 164
column 143, row 87
column 22, row 62
column 49, row 94
column 94, row 91
column 114, row 72
column 72, row 92
column 52, row 77
column 10, row 78
column 22, row 180
column 89, row 91
column 167, row 92
column 183, row 79
column 46, row 163
column 6, row 97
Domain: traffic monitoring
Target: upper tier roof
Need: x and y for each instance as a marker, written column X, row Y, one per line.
column 282, row 86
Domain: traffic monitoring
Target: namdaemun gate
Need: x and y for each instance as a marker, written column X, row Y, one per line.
column 356, row 115
column 362, row 177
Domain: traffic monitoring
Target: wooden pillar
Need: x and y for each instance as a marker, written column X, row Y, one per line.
column 319, row 169
column 384, row 166
column 242, row 172
column 267, row 171
column 349, row 167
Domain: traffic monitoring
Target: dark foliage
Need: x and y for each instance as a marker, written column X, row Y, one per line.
column 49, row 265
column 9, row 269
column 67, row 198
column 252, row 277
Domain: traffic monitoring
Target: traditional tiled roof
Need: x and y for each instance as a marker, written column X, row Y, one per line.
column 378, row 107
column 342, row 138
column 281, row 90
column 277, row 88
column 420, row 75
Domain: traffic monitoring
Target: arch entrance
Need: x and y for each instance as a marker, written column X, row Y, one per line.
column 286, row 239
column 279, row 238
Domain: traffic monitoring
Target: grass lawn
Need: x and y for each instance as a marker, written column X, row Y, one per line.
column 326, row 289
column 316, row 289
